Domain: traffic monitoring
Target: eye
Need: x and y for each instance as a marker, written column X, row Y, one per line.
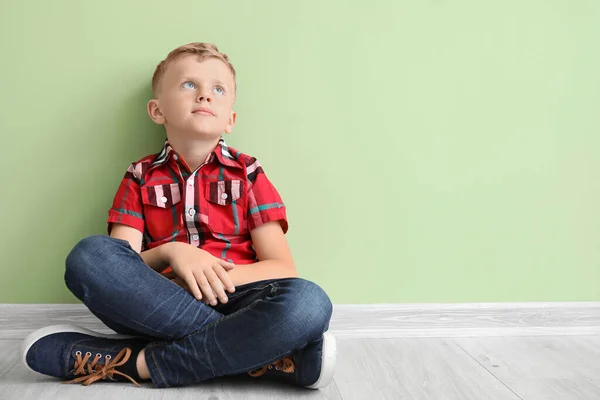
column 218, row 90
column 188, row 85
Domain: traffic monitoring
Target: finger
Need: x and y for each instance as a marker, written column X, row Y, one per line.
column 225, row 264
column 217, row 285
column 205, row 298
column 205, row 287
column 190, row 281
column 225, row 279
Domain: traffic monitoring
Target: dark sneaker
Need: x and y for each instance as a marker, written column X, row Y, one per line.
column 312, row 367
column 81, row 355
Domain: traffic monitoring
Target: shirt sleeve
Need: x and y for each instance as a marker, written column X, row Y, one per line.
column 264, row 202
column 127, row 204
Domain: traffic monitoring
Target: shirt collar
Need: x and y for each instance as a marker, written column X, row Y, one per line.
column 220, row 152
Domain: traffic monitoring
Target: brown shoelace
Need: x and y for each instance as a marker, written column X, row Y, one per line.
column 286, row 364
column 95, row 371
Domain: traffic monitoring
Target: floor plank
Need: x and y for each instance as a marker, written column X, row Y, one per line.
column 544, row 368
column 555, row 389
column 22, row 384
column 18, row 383
column 384, row 352
column 19, row 320
column 243, row 388
column 9, row 355
column 413, row 369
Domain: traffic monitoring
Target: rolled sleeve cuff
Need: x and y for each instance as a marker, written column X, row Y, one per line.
column 120, row 217
column 262, row 217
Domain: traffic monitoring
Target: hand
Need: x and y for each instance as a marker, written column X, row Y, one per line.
column 204, row 275
column 180, row 282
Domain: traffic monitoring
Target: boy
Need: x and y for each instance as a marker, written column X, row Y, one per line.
column 196, row 275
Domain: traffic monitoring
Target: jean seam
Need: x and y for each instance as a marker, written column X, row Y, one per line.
column 209, row 359
column 156, row 367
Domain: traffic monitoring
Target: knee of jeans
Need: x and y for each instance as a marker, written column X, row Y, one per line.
column 82, row 259
column 311, row 307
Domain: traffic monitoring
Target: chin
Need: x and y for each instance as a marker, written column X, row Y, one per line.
column 205, row 134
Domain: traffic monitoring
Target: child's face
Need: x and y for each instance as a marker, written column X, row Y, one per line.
column 195, row 98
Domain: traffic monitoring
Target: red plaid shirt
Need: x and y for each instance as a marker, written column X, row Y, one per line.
column 213, row 208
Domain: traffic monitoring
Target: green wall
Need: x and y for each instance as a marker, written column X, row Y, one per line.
column 428, row 151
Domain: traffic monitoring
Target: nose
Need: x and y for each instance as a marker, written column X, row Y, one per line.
column 204, row 97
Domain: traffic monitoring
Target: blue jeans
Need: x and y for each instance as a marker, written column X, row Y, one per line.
column 190, row 341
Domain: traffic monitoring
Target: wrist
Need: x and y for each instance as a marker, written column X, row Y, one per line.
column 167, row 252
column 236, row 280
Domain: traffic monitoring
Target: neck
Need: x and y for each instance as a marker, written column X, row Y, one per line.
column 193, row 150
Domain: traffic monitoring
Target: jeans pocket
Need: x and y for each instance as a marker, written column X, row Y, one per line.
column 245, row 295
column 242, row 291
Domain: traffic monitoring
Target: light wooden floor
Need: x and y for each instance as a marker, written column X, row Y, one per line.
column 545, row 367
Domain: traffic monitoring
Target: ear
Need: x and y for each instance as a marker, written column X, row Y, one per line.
column 154, row 112
column 231, row 122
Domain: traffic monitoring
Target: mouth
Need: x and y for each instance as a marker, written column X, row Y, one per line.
column 203, row 111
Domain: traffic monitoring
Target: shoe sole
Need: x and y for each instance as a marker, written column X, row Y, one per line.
column 327, row 362
column 49, row 330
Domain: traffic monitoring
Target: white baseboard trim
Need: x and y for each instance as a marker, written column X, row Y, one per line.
column 466, row 319
column 373, row 320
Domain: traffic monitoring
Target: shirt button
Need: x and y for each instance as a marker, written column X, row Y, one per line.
column 195, row 237
column 192, row 211
column 224, row 196
column 163, row 199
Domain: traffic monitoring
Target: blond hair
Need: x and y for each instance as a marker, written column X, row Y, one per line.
column 202, row 50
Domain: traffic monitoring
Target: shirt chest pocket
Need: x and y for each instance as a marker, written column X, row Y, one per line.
column 226, row 206
column 160, row 210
